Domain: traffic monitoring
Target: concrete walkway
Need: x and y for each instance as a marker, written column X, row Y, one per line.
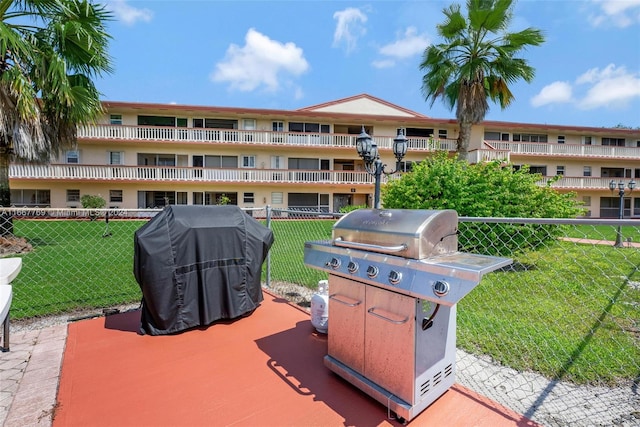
column 29, row 376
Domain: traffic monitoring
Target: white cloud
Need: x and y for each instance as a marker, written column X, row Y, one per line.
column 349, row 28
column 260, row 62
column 555, row 93
column 620, row 13
column 611, row 87
column 384, row 63
column 411, row 43
column 129, row 15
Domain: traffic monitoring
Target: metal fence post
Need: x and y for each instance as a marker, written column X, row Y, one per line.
column 268, row 267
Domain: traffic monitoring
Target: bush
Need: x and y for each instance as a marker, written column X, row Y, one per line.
column 349, row 208
column 90, row 201
column 483, row 190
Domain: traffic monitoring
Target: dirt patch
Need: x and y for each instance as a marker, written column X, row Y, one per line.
column 14, row 245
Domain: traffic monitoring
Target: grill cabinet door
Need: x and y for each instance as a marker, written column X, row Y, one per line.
column 346, row 322
column 390, row 341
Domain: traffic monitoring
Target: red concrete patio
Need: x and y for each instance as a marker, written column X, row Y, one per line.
column 265, row 369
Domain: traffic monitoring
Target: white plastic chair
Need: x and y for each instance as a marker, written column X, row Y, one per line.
column 9, row 269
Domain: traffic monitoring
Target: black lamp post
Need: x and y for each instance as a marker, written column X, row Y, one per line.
column 368, row 151
column 620, row 186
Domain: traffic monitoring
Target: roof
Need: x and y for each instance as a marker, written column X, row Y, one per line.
column 363, row 104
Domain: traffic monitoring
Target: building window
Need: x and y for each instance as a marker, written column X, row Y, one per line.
column 248, row 198
column 115, row 196
column 198, row 198
column 41, row 198
column 442, row 134
column 276, row 198
column 217, row 162
column 586, row 171
column 72, row 157
column 248, row 161
column 586, row 200
column 115, row 119
column 277, row 126
column 308, row 127
column 73, row 195
column 542, row 170
column 587, row 140
column 559, row 170
column 560, row 139
column 116, row 157
column 529, row 137
column 181, row 198
column 614, row 142
column 249, row 124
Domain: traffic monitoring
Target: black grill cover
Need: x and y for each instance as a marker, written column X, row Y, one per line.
column 198, row 264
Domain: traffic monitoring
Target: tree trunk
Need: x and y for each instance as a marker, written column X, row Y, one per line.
column 463, row 140
column 6, row 220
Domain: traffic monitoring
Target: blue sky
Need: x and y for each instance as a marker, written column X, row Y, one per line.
column 293, row 54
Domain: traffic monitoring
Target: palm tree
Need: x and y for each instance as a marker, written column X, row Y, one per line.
column 476, row 62
column 49, row 52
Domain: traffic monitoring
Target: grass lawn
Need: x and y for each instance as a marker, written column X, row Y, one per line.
column 73, row 267
column 603, row 232
column 569, row 312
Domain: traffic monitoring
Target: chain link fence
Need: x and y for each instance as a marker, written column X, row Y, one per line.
column 555, row 336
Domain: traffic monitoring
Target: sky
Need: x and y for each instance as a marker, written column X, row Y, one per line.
column 293, row 54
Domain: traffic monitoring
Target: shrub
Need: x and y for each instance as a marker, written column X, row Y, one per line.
column 489, row 189
column 90, row 201
column 349, row 208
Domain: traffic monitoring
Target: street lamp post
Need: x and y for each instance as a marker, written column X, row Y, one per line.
column 368, row 151
column 620, row 186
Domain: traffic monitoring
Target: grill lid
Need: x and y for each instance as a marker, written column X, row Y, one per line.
column 410, row 233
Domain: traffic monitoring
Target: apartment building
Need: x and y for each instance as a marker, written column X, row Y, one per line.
column 142, row 155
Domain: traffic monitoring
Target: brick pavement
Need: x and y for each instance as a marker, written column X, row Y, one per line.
column 29, row 376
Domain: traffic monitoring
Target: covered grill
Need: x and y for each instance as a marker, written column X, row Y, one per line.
column 395, row 277
column 198, row 264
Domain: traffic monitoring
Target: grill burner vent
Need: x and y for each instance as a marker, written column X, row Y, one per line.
column 429, row 384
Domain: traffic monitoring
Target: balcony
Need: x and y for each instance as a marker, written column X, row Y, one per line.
column 564, row 150
column 253, row 137
column 577, row 183
column 479, row 156
column 66, row 172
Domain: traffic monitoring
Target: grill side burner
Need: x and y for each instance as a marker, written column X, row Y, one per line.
column 395, row 278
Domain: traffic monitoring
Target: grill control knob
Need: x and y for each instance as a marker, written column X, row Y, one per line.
column 352, row 267
column 334, row 263
column 372, row 271
column 395, row 277
column 440, row 288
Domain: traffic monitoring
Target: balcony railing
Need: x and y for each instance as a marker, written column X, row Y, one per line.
column 227, row 136
column 190, row 174
column 564, row 150
column 185, row 174
column 478, row 156
column 578, row 183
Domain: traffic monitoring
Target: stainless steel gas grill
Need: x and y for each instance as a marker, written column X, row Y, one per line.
column 395, row 277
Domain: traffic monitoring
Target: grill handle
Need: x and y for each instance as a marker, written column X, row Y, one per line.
column 335, row 298
column 367, row 246
column 372, row 311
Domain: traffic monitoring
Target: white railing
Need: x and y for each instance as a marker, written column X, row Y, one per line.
column 578, row 183
column 565, row 150
column 158, row 133
column 478, row 156
column 162, row 173
column 190, row 174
